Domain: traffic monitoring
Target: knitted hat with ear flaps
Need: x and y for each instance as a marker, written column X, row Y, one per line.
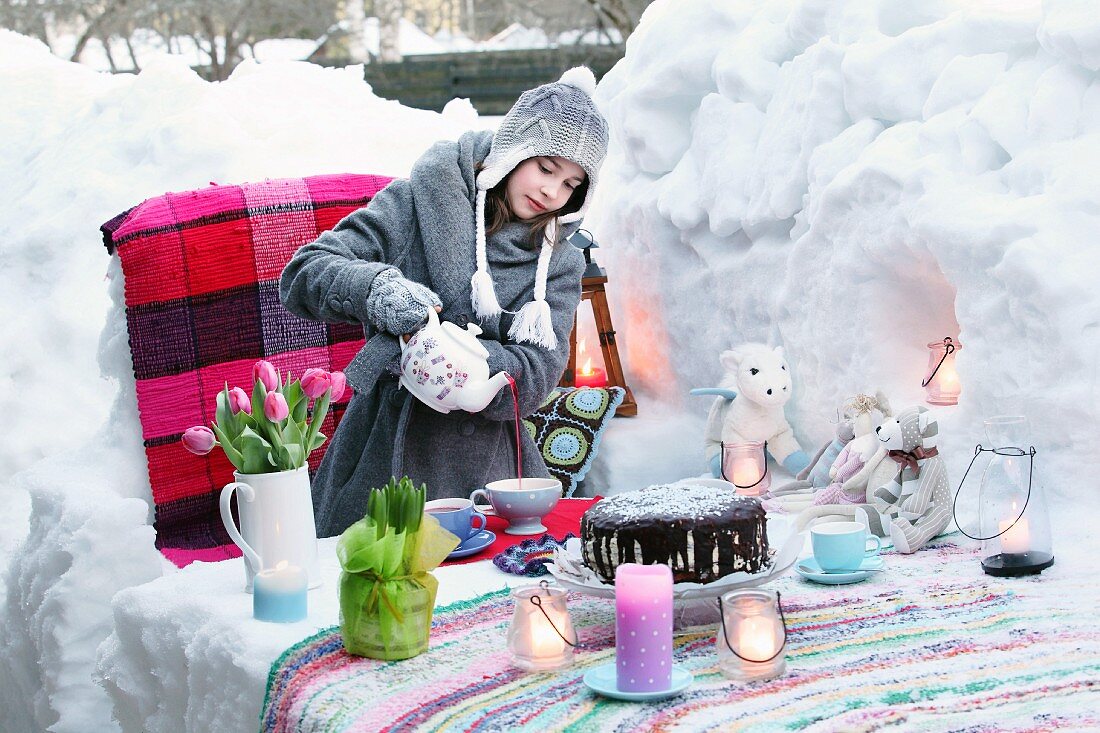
column 557, row 119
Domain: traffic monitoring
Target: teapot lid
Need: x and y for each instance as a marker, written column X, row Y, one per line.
column 466, row 338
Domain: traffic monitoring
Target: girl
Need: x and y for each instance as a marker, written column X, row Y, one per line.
column 475, row 232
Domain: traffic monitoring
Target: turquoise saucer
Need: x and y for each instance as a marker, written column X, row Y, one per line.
column 603, row 680
column 810, row 570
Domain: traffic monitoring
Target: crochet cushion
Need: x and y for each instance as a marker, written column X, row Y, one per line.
column 201, row 285
column 567, row 429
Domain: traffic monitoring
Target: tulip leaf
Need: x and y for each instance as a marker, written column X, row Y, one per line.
column 255, row 452
column 318, row 441
column 223, row 415
column 292, row 433
column 231, row 451
column 259, row 394
column 320, row 409
column 296, row 401
column 294, row 456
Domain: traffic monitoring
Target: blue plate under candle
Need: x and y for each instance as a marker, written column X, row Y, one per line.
column 603, row 679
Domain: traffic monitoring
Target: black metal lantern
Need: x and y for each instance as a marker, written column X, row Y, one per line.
column 1013, row 522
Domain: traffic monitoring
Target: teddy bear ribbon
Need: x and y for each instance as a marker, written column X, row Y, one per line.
column 908, row 459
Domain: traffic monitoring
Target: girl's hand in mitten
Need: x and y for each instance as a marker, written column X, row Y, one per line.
column 397, row 305
column 406, row 336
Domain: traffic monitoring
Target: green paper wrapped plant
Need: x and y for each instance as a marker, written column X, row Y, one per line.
column 387, row 592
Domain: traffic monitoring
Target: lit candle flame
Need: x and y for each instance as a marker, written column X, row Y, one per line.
column 586, row 368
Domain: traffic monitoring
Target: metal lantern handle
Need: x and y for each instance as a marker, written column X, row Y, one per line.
column 1006, row 451
column 537, row 601
column 722, row 465
column 948, row 348
column 726, row 638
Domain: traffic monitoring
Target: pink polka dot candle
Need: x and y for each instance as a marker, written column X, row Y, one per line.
column 643, row 627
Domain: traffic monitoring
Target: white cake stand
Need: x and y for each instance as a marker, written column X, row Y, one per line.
column 569, row 570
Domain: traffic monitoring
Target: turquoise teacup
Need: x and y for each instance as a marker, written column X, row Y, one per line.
column 457, row 516
column 842, row 545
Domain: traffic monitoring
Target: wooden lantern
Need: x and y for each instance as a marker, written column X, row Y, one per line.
column 592, row 289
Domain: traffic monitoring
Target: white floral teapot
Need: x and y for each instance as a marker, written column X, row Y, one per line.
column 447, row 368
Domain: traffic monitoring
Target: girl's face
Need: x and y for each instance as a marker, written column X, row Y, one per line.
column 542, row 184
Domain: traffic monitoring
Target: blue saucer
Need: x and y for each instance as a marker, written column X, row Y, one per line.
column 810, row 570
column 473, row 545
column 603, row 680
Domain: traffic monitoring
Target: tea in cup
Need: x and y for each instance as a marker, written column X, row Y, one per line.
column 522, row 502
column 457, row 516
column 840, row 546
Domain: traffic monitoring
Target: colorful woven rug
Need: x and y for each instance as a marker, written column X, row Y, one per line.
column 932, row 644
column 201, row 275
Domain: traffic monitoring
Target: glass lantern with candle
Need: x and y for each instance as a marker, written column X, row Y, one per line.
column 541, row 630
column 745, row 465
column 941, row 384
column 752, row 637
column 1013, row 523
column 587, row 375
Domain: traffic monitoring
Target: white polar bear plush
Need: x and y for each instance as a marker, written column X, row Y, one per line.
column 916, row 503
column 759, row 381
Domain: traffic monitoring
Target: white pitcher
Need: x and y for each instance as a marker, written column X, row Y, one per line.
column 276, row 513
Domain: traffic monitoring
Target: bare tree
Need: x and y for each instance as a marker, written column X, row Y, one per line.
column 389, row 27
column 219, row 28
column 562, row 15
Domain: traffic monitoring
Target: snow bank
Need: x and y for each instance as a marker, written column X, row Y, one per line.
column 77, row 148
column 853, row 181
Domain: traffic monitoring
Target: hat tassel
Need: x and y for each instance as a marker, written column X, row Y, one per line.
column 533, row 324
column 483, row 295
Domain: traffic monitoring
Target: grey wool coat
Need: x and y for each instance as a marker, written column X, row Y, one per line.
column 424, row 226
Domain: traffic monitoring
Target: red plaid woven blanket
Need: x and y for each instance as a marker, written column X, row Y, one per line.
column 201, row 275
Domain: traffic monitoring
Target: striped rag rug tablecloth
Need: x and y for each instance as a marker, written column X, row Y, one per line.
column 930, row 644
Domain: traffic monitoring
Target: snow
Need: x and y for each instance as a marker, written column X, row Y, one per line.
column 203, row 667
column 77, row 149
column 849, row 180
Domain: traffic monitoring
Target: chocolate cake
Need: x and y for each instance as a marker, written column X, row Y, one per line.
column 702, row 532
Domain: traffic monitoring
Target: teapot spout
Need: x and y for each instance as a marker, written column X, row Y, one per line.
column 476, row 397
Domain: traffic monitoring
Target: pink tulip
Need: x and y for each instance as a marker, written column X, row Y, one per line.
column 339, row 383
column 265, row 372
column 275, row 408
column 199, row 440
column 315, row 382
column 238, row 401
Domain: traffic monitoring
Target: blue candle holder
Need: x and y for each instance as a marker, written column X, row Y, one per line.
column 279, row 594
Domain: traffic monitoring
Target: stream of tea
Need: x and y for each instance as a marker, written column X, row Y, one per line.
column 519, row 447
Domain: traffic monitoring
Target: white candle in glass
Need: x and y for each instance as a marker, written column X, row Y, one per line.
column 750, row 639
column 535, row 639
column 544, row 641
column 756, row 638
column 745, row 471
column 1015, row 537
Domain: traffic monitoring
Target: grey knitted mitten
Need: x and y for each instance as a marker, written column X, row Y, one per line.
column 397, row 305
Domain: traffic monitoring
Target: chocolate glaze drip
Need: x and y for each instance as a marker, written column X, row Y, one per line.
column 702, row 533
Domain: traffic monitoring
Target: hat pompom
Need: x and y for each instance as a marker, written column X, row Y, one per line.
column 580, row 77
